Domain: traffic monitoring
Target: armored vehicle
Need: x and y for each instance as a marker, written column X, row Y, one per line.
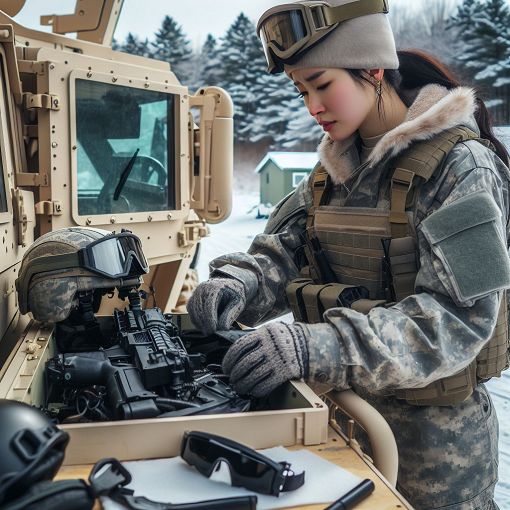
column 92, row 137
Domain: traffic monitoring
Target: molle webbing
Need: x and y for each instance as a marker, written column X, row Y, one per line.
column 402, row 265
column 380, row 255
column 493, row 358
column 421, row 160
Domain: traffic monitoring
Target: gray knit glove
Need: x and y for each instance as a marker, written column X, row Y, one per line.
column 260, row 361
column 216, row 304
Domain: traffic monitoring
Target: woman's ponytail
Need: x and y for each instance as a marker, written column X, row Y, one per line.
column 418, row 69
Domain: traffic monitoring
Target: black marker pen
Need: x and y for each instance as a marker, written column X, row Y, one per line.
column 354, row 496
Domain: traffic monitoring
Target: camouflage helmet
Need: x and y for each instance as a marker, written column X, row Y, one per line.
column 53, row 271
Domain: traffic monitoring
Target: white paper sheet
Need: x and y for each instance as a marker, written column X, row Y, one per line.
column 174, row 481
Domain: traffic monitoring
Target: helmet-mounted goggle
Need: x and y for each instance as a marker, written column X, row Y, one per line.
column 288, row 31
column 115, row 256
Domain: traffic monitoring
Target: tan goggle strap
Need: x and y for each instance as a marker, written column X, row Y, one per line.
column 346, row 12
column 324, row 16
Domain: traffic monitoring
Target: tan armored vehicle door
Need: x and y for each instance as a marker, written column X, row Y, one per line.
column 17, row 221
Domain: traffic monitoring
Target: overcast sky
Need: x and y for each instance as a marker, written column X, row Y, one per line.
column 143, row 17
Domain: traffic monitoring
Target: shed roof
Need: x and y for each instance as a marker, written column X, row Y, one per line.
column 290, row 160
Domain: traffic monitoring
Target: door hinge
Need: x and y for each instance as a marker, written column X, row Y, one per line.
column 20, row 217
column 44, row 101
column 31, row 179
column 49, row 208
column 192, row 232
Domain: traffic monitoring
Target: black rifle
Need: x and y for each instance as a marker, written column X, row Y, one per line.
column 146, row 373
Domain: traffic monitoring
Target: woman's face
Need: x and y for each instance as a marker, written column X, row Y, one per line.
column 338, row 102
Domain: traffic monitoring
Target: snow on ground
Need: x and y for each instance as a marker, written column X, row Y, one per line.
column 234, row 234
column 237, row 233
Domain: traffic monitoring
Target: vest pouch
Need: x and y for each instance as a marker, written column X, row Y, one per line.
column 308, row 301
column 294, row 293
column 448, row 391
column 337, row 295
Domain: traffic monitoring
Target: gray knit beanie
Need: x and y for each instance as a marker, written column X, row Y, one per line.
column 366, row 42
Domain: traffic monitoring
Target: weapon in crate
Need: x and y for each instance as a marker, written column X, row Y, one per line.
column 147, row 373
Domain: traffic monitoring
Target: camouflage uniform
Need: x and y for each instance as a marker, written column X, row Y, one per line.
column 448, row 455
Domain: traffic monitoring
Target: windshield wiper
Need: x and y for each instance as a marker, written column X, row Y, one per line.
column 124, row 175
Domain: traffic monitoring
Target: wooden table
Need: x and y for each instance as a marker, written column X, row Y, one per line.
column 336, row 450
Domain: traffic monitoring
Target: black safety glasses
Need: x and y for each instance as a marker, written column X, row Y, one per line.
column 114, row 256
column 248, row 468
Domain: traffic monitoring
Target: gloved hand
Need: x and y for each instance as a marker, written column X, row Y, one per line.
column 216, row 304
column 262, row 360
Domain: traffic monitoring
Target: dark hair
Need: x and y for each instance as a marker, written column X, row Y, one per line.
column 418, row 69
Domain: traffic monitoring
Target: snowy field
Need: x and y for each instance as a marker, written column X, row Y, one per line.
column 236, row 234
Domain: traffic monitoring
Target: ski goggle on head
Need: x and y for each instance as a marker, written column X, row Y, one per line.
column 288, row 31
column 248, row 468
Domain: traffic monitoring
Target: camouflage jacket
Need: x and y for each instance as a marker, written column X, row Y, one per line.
column 426, row 336
column 448, row 455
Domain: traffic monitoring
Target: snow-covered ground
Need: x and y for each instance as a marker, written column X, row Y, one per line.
column 236, row 234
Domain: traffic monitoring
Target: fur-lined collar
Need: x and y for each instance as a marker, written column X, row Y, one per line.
column 434, row 110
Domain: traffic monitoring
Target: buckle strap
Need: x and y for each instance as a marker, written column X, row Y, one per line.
column 353, row 10
column 291, row 481
column 401, row 183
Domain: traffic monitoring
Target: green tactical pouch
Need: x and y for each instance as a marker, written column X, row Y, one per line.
column 466, row 237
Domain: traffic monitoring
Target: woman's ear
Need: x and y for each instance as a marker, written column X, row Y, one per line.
column 377, row 74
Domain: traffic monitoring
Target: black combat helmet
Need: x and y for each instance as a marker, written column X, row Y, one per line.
column 31, row 448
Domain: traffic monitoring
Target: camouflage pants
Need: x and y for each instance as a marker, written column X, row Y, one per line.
column 448, row 456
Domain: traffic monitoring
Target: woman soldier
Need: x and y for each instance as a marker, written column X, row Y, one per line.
column 392, row 256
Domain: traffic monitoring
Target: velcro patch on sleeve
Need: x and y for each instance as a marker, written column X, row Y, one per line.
column 465, row 237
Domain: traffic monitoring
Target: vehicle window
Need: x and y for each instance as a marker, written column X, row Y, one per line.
column 126, row 153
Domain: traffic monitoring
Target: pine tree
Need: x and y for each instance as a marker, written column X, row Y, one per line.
column 480, row 26
column 302, row 131
column 171, row 45
column 243, row 62
column 135, row 46
column 208, row 65
column 274, row 115
column 211, row 69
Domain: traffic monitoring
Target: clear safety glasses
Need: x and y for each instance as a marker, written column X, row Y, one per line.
column 288, row 31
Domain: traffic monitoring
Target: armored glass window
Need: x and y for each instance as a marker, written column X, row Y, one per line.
column 126, row 155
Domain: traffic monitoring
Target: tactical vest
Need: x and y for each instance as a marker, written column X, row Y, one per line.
column 363, row 258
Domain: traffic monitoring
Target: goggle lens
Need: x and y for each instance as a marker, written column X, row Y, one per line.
column 115, row 256
column 284, row 29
